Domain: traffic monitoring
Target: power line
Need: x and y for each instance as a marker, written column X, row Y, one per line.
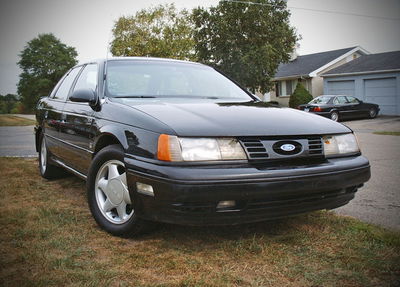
column 314, row 10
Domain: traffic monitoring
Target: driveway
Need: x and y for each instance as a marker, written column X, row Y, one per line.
column 17, row 141
column 378, row 201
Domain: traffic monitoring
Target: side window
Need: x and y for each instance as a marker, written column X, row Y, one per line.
column 62, row 92
column 352, row 100
column 87, row 79
column 340, row 100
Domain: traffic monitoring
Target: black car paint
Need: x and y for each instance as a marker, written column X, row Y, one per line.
column 75, row 132
column 345, row 111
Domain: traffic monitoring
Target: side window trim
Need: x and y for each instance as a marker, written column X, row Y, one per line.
column 77, row 78
column 54, row 91
column 53, row 95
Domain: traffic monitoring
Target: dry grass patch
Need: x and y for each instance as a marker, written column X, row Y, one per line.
column 48, row 238
column 10, row 120
column 387, row 133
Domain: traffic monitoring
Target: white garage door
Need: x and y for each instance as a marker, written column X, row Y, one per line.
column 382, row 92
column 341, row 88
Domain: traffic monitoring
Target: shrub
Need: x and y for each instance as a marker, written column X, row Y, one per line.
column 299, row 96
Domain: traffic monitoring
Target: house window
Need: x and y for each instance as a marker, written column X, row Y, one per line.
column 289, row 87
column 278, row 88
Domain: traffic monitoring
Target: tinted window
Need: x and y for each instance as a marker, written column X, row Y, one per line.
column 87, row 79
column 168, row 79
column 352, row 100
column 62, row 92
column 340, row 100
column 320, row 100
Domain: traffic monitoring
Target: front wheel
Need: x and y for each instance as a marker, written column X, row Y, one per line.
column 372, row 113
column 108, row 195
column 334, row 116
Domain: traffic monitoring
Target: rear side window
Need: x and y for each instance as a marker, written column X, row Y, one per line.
column 87, row 79
column 340, row 100
column 63, row 90
column 352, row 100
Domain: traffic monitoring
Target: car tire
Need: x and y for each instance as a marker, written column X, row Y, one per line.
column 334, row 116
column 46, row 168
column 108, row 196
column 372, row 113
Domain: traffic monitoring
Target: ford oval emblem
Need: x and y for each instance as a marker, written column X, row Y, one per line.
column 287, row 147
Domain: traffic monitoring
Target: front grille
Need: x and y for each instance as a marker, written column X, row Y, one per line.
column 254, row 149
column 277, row 147
column 261, row 149
column 315, row 146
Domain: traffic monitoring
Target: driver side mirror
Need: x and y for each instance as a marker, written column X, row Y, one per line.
column 83, row 96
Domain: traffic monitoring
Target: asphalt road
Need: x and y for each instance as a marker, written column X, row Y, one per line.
column 17, row 141
column 377, row 202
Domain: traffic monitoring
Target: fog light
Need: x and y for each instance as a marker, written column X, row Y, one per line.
column 144, row 189
column 226, row 204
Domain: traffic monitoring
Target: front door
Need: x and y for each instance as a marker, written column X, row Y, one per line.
column 77, row 135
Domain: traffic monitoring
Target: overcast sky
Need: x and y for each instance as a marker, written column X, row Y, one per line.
column 86, row 25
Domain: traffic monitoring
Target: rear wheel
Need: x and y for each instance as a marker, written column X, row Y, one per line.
column 108, row 196
column 46, row 168
column 334, row 116
column 372, row 113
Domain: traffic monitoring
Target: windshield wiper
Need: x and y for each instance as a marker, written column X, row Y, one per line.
column 134, row 97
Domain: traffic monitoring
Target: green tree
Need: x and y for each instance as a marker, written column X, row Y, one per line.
column 43, row 61
column 8, row 103
column 246, row 41
column 161, row 31
column 300, row 96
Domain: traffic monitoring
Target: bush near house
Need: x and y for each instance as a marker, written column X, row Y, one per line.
column 300, row 96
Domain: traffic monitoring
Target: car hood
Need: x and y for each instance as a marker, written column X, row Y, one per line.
column 235, row 119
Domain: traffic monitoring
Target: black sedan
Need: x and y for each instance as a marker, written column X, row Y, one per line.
column 178, row 142
column 338, row 107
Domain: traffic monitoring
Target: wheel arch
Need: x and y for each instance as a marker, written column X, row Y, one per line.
column 38, row 131
column 104, row 140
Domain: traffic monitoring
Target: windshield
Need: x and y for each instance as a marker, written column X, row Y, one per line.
column 146, row 79
column 320, row 100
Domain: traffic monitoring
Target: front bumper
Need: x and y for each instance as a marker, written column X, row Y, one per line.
column 189, row 195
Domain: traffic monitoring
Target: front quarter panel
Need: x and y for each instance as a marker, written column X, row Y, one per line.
column 135, row 141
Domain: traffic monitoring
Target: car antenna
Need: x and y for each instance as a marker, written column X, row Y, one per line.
column 106, row 63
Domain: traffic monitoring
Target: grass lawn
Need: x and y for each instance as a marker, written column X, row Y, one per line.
column 48, row 238
column 10, row 120
column 386, row 133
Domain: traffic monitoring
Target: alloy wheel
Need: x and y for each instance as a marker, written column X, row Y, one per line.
column 334, row 116
column 111, row 191
column 372, row 113
column 43, row 156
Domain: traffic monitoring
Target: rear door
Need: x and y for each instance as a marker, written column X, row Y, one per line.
column 77, row 136
column 356, row 108
column 340, row 104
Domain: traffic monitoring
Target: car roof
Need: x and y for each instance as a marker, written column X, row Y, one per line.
column 331, row 96
column 148, row 59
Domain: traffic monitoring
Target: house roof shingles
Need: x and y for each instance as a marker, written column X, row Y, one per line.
column 304, row 65
column 369, row 63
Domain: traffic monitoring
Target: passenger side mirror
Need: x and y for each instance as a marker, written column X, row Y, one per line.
column 83, row 96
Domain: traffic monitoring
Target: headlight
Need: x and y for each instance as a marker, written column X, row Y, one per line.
column 172, row 148
column 340, row 144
